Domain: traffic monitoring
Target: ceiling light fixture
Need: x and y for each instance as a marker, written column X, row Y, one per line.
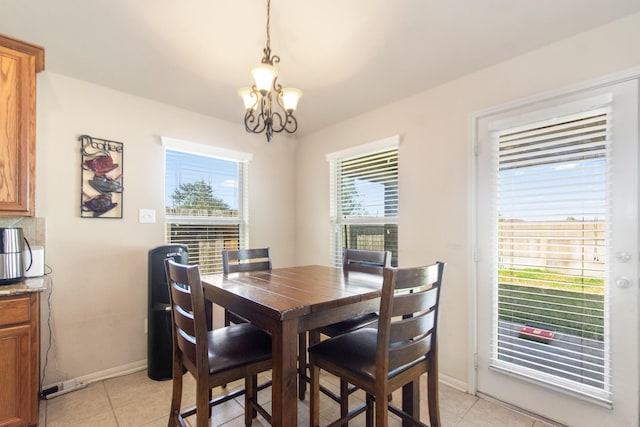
column 262, row 113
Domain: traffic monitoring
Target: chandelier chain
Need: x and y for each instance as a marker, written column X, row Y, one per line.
column 268, row 24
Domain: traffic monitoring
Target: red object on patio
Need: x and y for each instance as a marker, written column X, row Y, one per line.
column 538, row 333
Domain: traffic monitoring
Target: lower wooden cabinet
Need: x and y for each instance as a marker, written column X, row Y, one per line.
column 19, row 360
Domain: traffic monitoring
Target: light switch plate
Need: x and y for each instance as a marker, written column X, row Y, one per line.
column 147, row 216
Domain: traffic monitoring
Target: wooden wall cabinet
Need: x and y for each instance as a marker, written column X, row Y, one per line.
column 19, row 63
column 19, row 360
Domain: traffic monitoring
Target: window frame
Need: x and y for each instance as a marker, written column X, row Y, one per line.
column 337, row 221
column 242, row 219
column 503, row 346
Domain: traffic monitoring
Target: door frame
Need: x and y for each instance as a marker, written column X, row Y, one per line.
column 473, row 180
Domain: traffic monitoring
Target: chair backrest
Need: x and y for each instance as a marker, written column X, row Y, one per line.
column 365, row 261
column 408, row 324
column 246, row 260
column 189, row 320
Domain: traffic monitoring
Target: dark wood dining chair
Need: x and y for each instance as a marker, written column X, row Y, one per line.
column 373, row 262
column 358, row 260
column 259, row 259
column 213, row 357
column 393, row 355
column 256, row 259
column 246, row 260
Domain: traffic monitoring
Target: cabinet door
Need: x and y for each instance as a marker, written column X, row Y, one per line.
column 17, row 132
column 15, row 376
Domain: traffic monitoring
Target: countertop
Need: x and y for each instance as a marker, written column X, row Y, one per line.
column 30, row 285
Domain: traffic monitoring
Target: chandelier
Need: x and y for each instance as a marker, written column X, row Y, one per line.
column 263, row 114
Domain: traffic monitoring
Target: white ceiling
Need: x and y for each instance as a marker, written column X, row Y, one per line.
column 348, row 56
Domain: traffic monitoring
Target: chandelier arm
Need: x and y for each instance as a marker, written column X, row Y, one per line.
column 280, row 102
column 291, row 123
column 291, row 120
column 277, row 87
column 278, row 124
column 288, row 124
column 253, row 123
column 255, row 93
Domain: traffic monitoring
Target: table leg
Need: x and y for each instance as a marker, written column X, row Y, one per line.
column 411, row 401
column 284, row 374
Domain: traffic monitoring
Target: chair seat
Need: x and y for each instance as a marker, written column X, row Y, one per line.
column 237, row 345
column 349, row 325
column 356, row 352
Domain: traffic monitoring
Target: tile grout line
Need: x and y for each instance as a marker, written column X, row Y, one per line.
column 475, row 402
column 113, row 411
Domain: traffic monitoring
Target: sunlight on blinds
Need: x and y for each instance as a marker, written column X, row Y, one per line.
column 550, row 316
column 205, row 206
column 364, row 202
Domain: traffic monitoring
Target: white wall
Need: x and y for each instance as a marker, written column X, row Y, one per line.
column 99, row 299
column 435, row 163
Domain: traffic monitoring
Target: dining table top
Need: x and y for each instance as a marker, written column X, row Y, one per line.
column 289, row 292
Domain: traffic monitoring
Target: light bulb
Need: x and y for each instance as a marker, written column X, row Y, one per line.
column 264, row 75
column 249, row 98
column 290, row 98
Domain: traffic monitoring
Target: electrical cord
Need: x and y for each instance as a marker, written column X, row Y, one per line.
column 49, row 282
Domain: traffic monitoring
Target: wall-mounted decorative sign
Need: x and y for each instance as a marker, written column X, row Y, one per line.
column 101, row 182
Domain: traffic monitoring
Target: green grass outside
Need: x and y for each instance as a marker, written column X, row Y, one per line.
column 546, row 278
column 566, row 304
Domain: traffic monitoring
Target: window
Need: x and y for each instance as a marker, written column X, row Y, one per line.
column 364, row 199
column 205, row 199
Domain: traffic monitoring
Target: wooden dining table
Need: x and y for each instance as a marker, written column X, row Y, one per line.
column 286, row 302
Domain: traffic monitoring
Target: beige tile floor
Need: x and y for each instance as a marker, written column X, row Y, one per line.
column 136, row 401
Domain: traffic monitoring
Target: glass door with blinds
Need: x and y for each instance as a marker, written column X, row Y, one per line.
column 557, row 252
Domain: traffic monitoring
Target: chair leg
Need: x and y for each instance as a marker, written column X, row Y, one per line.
column 302, row 365
column 202, row 404
column 411, row 401
column 369, row 411
column 432, row 389
column 314, row 396
column 210, row 396
column 176, row 393
column 314, row 338
column 344, row 400
column 251, row 395
column 382, row 411
column 227, row 322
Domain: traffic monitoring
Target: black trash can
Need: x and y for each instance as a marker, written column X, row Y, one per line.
column 159, row 340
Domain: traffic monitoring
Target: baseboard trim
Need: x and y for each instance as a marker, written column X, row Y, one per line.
column 140, row 365
column 453, row 382
column 117, row 371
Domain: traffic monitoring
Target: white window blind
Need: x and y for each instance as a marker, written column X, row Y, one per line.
column 205, row 205
column 364, row 202
column 550, row 314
